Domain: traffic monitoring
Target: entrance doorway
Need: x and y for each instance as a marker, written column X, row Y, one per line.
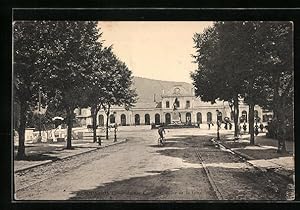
column 168, row 118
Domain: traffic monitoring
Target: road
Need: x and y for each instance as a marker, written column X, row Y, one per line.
column 188, row 167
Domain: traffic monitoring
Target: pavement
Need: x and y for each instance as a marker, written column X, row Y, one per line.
column 44, row 153
column 263, row 155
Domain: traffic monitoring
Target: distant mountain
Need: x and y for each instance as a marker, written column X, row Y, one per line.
column 146, row 88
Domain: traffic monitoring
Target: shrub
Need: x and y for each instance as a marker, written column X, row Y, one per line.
column 276, row 130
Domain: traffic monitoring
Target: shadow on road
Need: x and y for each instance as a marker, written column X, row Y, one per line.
column 39, row 157
column 155, row 185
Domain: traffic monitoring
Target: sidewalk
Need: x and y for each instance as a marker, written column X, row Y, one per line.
column 43, row 153
column 263, row 154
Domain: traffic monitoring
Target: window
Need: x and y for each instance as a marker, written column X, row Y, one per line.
column 188, row 104
column 147, row 119
column 112, row 118
column 177, row 104
column 168, row 118
column 137, row 119
column 123, row 119
column 209, row 117
column 101, row 120
column 243, row 117
column 255, row 114
column 167, row 104
column 219, row 116
column 188, row 118
column 199, row 118
column 157, row 119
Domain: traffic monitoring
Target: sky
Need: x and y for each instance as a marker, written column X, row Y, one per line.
column 154, row 49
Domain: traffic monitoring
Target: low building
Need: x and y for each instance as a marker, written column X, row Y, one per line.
column 160, row 108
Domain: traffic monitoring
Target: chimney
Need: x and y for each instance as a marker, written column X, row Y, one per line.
column 154, row 97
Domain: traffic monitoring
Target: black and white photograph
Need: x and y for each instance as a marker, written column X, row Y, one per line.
column 153, row 110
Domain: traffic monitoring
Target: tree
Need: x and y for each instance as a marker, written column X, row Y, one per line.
column 218, row 73
column 65, row 58
column 279, row 74
column 96, row 91
column 119, row 89
column 27, row 40
column 255, row 76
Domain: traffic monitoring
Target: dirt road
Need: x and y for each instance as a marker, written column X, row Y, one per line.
column 188, row 167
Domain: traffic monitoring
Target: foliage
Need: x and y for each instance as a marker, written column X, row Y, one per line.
column 27, row 40
column 253, row 60
column 56, row 56
column 66, row 62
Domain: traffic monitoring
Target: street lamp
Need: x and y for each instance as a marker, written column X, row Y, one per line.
column 39, row 114
column 218, row 125
column 115, row 127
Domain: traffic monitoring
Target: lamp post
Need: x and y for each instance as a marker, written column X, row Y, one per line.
column 115, row 127
column 218, row 125
column 39, row 114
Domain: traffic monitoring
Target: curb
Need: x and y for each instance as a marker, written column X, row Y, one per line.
column 69, row 156
column 247, row 158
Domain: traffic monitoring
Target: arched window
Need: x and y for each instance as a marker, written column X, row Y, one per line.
column 137, row 119
column 219, row 116
column 157, row 119
column 101, row 120
column 112, row 118
column 199, row 118
column 168, row 118
column 167, row 104
column 244, row 116
column 209, row 117
column 255, row 113
column 123, row 119
column 256, row 117
column 188, row 118
column 147, row 119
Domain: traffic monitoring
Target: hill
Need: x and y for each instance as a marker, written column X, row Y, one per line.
column 146, row 88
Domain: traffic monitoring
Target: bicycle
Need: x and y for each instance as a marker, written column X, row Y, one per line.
column 161, row 141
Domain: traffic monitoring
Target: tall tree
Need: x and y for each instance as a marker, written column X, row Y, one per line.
column 279, row 74
column 98, row 85
column 217, row 76
column 27, row 41
column 119, row 89
column 254, row 75
column 66, row 60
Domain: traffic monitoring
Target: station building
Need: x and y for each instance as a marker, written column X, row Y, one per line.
column 191, row 109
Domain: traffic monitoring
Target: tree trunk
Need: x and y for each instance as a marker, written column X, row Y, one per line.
column 251, row 123
column 281, row 132
column 21, row 130
column 236, row 117
column 107, row 119
column 69, row 130
column 94, row 123
column 278, row 116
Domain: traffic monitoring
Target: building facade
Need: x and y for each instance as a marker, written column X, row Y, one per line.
column 190, row 110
